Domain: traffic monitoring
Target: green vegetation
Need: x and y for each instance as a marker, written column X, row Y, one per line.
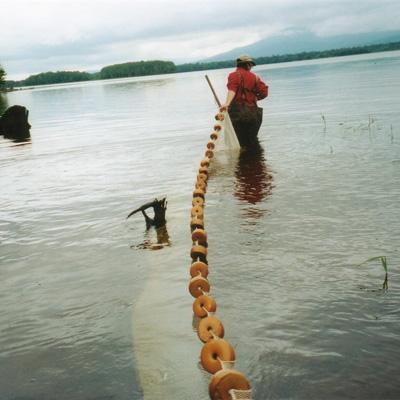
column 2, row 78
column 57, row 77
column 3, row 103
column 141, row 68
column 205, row 66
column 310, row 55
column 383, row 261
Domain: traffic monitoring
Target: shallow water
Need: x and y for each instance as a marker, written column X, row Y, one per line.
column 86, row 313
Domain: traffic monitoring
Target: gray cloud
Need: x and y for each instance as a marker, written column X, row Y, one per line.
column 70, row 34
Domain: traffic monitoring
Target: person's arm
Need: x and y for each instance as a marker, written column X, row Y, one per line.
column 230, row 96
column 262, row 89
column 233, row 85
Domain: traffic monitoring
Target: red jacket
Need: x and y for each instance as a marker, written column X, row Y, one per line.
column 252, row 89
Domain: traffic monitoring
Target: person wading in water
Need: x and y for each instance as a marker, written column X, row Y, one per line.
column 244, row 89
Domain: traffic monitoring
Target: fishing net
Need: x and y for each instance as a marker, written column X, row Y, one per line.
column 227, row 364
column 230, row 139
column 227, row 149
column 227, row 143
column 234, row 393
column 240, row 394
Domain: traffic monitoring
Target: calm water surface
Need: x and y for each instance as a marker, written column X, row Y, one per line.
column 87, row 313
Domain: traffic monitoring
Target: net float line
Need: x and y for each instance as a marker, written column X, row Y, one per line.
column 197, row 211
column 202, row 177
column 199, row 267
column 197, row 201
column 217, row 355
column 203, row 306
column 214, row 136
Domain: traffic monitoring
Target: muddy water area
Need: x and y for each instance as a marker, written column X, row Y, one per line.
column 87, row 311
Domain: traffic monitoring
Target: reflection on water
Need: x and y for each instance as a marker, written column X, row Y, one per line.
column 160, row 241
column 253, row 182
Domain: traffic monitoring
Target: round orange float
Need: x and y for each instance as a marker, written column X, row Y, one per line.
column 199, row 267
column 198, row 285
column 201, row 185
column 196, row 222
column 197, row 211
column 199, row 235
column 217, row 127
column 209, row 153
column 215, row 351
column 214, row 136
column 224, row 381
column 203, row 170
column 219, row 117
column 203, row 305
column 198, row 201
column 202, row 176
column 208, row 327
column 198, row 193
column 198, row 252
column 205, row 162
column 211, row 145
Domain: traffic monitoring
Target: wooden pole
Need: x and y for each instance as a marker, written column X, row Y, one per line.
column 213, row 91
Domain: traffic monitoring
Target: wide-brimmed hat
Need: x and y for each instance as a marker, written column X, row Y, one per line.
column 245, row 59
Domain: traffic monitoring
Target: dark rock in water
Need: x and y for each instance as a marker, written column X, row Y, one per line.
column 14, row 124
column 158, row 222
column 159, row 208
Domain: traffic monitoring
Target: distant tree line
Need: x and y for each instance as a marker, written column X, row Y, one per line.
column 2, row 78
column 45, row 78
column 3, row 99
column 141, row 68
column 309, row 55
column 347, row 51
column 202, row 66
column 128, row 69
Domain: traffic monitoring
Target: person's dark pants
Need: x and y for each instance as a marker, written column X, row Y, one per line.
column 246, row 121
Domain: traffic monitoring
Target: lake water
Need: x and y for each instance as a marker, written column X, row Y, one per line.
column 87, row 313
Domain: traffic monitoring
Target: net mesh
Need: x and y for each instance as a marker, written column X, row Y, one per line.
column 230, row 141
column 230, row 138
column 227, row 364
column 240, row 394
column 209, row 313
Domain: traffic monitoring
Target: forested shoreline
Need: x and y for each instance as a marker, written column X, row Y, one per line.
column 157, row 67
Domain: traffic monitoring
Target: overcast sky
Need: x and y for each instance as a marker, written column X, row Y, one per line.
column 50, row 35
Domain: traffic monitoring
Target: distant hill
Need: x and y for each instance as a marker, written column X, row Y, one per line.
column 297, row 42
column 141, row 68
